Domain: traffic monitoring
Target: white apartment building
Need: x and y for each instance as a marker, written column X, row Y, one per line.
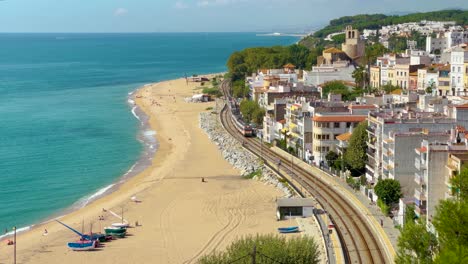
column 458, row 56
column 326, row 129
column 446, row 40
column 380, row 124
column 430, row 177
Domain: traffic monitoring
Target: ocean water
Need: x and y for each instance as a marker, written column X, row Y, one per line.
column 66, row 129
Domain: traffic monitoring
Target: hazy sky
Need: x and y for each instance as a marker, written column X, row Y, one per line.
column 193, row 15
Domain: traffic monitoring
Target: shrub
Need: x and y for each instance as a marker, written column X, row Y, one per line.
column 267, row 248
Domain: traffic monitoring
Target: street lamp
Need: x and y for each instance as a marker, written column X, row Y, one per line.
column 14, row 245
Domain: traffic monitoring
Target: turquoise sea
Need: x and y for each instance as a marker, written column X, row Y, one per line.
column 66, row 129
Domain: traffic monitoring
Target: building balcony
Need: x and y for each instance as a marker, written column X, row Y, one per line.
column 371, row 130
column 420, row 195
column 418, row 178
column 370, row 144
column 419, row 165
column 370, row 170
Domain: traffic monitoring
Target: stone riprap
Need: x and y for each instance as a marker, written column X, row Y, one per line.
column 236, row 155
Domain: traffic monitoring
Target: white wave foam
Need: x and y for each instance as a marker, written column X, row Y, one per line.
column 97, row 194
column 19, row 230
column 130, row 170
column 149, row 133
column 130, row 101
column 134, row 113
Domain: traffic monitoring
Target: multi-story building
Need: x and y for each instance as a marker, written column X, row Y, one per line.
column 299, row 124
column 444, row 80
column 413, row 81
column 429, row 77
column 375, row 77
column 465, row 74
column 402, row 75
column 391, row 73
column 455, row 163
column 422, row 80
column 380, row 124
column 398, row 156
column 326, row 129
column 430, row 177
column 446, row 40
column 273, row 121
column 457, row 60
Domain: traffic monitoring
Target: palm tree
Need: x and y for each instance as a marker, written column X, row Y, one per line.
column 360, row 76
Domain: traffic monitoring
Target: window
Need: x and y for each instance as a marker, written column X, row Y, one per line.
column 459, row 69
column 335, row 136
column 336, row 125
column 348, row 124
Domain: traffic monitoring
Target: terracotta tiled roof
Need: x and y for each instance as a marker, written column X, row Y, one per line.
column 347, row 118
column 289, row 65
column 422, row 150
column 344, row 137
column 461, row 128
column 353, row 106
column 463, row 106
column 333, row 50
column 282, row 121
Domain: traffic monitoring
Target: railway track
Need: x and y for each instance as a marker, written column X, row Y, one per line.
column 357, row 239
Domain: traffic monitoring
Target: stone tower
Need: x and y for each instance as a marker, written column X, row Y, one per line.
column 353, row 46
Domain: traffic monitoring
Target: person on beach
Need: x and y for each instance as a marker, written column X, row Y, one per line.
column 45, row 232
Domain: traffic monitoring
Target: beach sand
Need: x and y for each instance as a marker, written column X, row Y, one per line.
column 181, row 218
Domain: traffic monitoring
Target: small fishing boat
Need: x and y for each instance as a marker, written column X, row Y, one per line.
column 96, row 237
column 121, row 225
column 290, row 229
column 84, row 245
column 115, row 231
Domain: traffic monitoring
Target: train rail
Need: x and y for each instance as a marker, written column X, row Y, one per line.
column 357, row 238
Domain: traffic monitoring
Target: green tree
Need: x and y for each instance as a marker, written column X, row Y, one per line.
column 335, row 87
column 293, row 250
column 355, row 155
column 298, row 55
column 338, row 39
column 388, row 191
column 450, row 222
column 388, row 88
column 257, row 116
column 360, row 76
column 331, row 157
column 240, row 89
column 372, row 52
column 247, row 109
column 416, row 244
column 460, row 184
column 410, row 215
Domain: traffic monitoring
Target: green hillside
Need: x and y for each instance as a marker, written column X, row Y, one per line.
column 377, row 21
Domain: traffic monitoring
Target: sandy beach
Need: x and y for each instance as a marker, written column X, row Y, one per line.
column 181, row 218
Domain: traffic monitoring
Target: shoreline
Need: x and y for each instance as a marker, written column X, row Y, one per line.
column 188, row 218
column 144, row 136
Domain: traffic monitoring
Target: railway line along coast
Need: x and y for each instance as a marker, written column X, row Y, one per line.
column 362, row 239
